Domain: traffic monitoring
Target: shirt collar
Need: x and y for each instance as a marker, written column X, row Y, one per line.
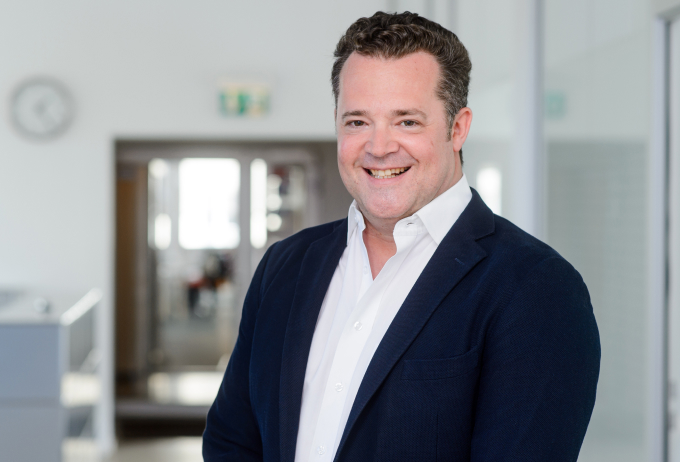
column 438, row 216
column 354, row 219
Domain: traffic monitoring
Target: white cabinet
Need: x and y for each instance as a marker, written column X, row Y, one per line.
column 49, row 374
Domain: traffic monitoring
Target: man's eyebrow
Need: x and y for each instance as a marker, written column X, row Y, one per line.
column 357, row 113
column 408, row 112
column 395, row 113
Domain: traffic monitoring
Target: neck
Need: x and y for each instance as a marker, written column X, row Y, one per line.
column 380, row 245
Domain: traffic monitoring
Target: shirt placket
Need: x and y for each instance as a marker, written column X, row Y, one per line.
column 350, row 346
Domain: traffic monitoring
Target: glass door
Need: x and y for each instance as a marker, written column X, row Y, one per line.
column 200, row 218
column 194, row 234
column 198, row 241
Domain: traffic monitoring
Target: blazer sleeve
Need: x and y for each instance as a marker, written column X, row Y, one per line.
column 232, row 432
column 539, row 374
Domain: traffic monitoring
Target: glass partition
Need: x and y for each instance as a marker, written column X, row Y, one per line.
column 596, row 80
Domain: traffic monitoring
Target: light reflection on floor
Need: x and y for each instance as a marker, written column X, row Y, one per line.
column 184, row 449
column 179, row 395
column 190, row 388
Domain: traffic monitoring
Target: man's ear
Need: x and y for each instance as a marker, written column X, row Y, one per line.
column 461, row 128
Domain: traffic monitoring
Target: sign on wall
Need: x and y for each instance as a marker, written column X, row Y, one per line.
column 242, row 99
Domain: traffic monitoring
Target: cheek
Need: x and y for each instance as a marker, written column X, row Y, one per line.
column 349, row 153
column 420, row 147
column 346, row 169
column 434, row 156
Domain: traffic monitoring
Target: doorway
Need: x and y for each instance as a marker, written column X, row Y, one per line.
column 193, row 221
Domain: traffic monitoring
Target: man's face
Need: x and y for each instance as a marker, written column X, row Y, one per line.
column 389, row 117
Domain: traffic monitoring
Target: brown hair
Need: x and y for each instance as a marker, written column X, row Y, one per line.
column 388, row 35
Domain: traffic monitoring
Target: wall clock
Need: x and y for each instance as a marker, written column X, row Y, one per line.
column 42, row 108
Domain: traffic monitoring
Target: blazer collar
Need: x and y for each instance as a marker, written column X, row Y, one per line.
column 454, row 258
column 316, row 272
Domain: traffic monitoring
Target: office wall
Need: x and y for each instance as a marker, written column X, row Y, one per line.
column 597, row 69
column 664, row 6
column 142, row 69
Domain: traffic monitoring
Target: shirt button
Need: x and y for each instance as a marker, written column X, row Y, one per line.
column 321, row 450
column 365, row 269
column 358, row 325
column 338, row 387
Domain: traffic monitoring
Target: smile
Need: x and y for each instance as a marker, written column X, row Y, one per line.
column 388, row 173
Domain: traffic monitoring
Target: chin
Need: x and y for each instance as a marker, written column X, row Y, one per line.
column 387, row 211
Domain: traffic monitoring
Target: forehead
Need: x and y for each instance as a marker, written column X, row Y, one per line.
column 411, row 77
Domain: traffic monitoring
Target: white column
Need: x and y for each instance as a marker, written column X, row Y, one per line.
column 662, row 227
column 526, row 201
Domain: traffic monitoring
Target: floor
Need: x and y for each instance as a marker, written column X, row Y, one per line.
column 184, row 449
column 178, row 395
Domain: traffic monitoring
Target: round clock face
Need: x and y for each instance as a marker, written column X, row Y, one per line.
column 41, row 108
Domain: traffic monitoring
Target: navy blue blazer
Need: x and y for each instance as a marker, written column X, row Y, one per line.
column 494, row 355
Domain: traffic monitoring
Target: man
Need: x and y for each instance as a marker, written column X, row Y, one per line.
column 422, row 327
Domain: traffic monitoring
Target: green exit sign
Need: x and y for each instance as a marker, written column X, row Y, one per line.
column 244, row 99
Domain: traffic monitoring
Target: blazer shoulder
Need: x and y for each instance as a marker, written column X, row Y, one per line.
column 294, row 247
column 533, row 285
column 519, row 253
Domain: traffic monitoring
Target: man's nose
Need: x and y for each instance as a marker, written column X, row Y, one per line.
column 381, row 142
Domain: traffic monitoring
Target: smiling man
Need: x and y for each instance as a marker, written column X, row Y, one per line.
column 422, row 326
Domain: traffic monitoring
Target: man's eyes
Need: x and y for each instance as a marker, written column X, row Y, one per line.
column 361, row 123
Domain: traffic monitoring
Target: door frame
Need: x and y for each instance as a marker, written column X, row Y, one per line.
column 661, row 224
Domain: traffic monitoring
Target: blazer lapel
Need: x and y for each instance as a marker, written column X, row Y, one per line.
column 316, row 272
column 457, row 254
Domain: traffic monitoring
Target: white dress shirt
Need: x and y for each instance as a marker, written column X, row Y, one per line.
column 356, row 313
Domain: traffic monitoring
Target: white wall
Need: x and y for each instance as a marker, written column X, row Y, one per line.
column 141, row 69
column 666, row 6
column 597, row 57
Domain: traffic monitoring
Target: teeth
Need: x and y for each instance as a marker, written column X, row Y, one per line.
column 388, row 173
